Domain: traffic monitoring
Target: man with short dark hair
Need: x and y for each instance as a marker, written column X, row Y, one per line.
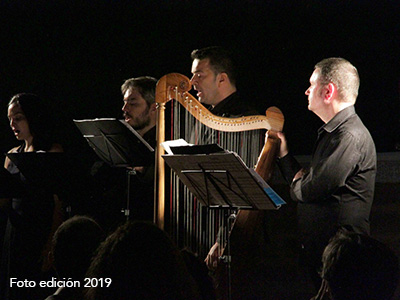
column 139, row 111
column 338, row 188
column 214, row 79
column 139, row 105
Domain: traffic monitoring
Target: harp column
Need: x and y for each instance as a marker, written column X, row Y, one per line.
column 167, row 84
column 159, row 183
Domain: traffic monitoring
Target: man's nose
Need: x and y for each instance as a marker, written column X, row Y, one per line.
column 307, row 91
column 124, row 107
column 193, row 79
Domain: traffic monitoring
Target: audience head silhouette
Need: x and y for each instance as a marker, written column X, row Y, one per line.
column 143, row 263
column 358, row 267
column 74, row 244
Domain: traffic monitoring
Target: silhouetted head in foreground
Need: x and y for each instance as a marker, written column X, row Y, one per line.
column 359, row 267
column 143, row 263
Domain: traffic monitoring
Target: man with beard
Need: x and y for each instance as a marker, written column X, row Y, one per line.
column 139, row 111
column 139, row 106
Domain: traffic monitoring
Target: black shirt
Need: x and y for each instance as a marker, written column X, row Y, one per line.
column 148, row 173
column 150, row 136
column 233, row 107
column 338, row 189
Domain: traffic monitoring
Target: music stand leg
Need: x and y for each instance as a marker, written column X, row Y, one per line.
column 126, row 211
column 227, row 258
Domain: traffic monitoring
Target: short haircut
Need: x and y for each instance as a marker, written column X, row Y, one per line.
column 359, row 267
column 343, row 74
column 145, row 85
column 74, row 244
column 221, row 60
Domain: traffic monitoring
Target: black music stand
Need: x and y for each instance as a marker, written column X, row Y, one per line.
column 9, row 185
column 222, row 180
column 42, row 170
column 117, row 144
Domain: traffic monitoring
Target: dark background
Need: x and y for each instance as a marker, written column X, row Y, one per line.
column 76, row 54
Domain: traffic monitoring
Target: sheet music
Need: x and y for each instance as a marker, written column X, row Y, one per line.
column 113, row 142
column 129, row 127
column 174, row 143
column 268, row 190
column 180, row 146
column 137, row 135
column 223, row 180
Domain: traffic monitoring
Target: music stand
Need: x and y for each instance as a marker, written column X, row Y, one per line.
column 117, row 144
column 222, row 180
column 9, row 185
column 43, row 170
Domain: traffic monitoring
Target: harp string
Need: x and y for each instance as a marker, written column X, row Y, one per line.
column 193, row 225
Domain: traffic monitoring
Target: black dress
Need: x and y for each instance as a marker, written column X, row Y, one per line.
column 28, row 227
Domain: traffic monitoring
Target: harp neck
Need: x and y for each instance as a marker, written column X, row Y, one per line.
column 177, row 86
column 265, row 163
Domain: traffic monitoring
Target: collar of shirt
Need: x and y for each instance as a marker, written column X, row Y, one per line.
column 338, row 119
column 150, row 136
column 219, row 108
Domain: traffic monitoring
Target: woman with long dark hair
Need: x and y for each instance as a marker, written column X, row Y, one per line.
column 30, row 210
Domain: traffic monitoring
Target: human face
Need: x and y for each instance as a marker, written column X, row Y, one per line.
column 18, row 123
column 205, row 82
column 315, row 93
column 136, row 110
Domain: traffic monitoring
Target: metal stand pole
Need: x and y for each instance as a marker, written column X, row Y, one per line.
column 228, row 258
column 126, row 211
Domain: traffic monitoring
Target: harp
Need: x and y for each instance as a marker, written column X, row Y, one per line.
column 189, row 223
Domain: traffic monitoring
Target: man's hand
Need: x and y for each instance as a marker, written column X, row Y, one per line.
column 139, row 169
column 283, row 150
column 299, row 174
column 212, row 257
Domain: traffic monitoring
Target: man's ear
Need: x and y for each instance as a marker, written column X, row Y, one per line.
column 330, row 91
column 153, row 111
column 222, row 78
column 153, row 107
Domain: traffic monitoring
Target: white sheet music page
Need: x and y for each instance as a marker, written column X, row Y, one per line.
column 174, row 143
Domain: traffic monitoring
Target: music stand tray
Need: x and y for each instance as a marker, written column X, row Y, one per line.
column 43, row 169
column 222, row 180
column 116, row 142
column 9, row 185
